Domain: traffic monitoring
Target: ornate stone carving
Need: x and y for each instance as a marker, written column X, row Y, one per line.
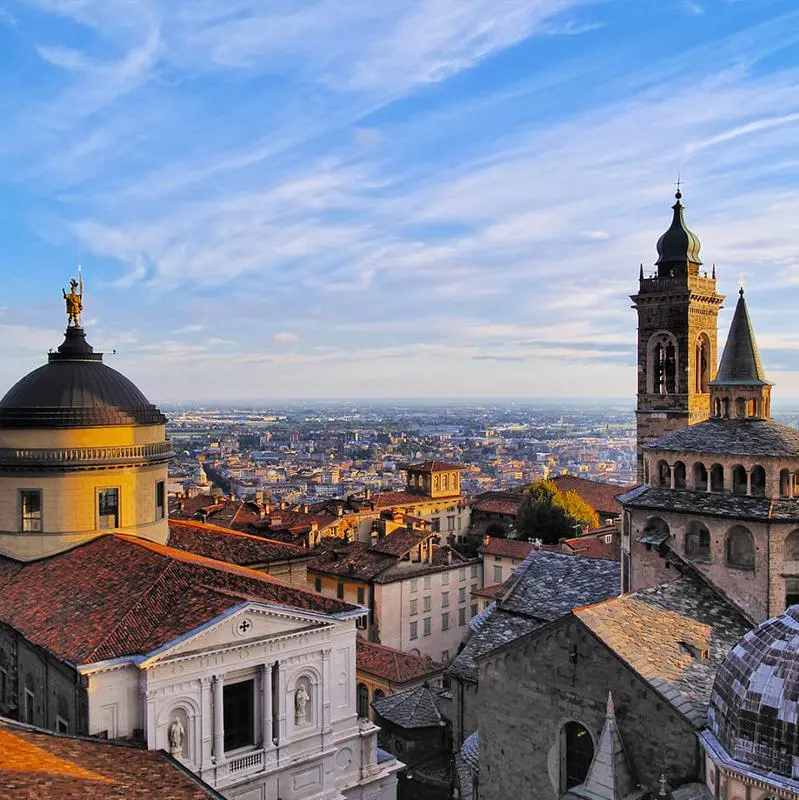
column 301, row 698
column 176, row 735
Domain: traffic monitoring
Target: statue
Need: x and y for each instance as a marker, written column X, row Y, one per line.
column 176, row 735
column 74, row 301
column 301, row 699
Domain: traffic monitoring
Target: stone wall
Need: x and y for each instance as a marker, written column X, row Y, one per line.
column 562, row 673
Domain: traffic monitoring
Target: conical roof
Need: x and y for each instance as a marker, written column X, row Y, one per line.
column 740, row 363
column 678, row 244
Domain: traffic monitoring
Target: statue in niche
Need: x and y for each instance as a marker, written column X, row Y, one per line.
column 176, row 735
column 301, row 698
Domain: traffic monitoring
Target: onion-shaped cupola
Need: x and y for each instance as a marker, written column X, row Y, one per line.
column 741, row 389
column 678, row 248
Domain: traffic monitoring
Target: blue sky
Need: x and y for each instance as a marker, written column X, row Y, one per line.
column 404, row 198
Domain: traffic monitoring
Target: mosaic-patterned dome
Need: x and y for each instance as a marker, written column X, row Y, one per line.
column 753, row 707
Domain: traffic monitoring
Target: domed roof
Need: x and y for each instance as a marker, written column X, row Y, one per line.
column 76, row 390
column 753, row 707
column 678, row 245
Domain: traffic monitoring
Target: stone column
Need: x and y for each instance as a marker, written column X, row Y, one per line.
column 205, row 728
column 266, row 705
column 671, row 476
column 709, row 472
column 748, row 481
column 219, row 719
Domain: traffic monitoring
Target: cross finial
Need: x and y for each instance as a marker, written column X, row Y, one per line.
column 741, row 284
column 678, row 184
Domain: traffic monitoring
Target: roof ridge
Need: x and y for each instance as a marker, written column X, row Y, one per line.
column 192, row 523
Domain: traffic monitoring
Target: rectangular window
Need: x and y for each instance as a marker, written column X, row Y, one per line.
column 159, row 500
column 108, row 509
column 426, row 603
column 361, row 595
column 426, row 582
column 340, row 590
column 414, row 607
column 462, row 594
column 238, row 703
column 414, row 630
column 427, row 626
column 474, row 610
column 435, row 525
column 462, row 574
column 30, row 504
column 450, row 523
column 61, row 725
column 444, row 599
column 497, row 573
column 445, row 578
column 30, row 699
column 461, row 616
column 317, row 584
column 474, row 570
column 445, row 621
column 415, row 585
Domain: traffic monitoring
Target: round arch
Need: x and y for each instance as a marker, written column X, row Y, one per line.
column 739, row 546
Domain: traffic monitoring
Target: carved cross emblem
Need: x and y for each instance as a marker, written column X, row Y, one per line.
column 244, row 626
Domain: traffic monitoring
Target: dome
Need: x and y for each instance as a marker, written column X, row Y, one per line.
column 753, row 706
column 75, row 389
column 678, row 245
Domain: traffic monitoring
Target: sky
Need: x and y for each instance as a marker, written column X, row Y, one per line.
column 406, row 198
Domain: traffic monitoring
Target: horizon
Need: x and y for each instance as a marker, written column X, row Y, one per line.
column 327, row 199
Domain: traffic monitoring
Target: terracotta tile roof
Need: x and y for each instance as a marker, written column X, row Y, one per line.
column 489, row 592
column 395, row 666
column 655, row 631
column 388, row 499
column 433, row 466
column 508, row 506
column 600, row 496
column 296, row 521
column 43, row 766
column 224, row 544
column 119, row 595
column 401, row 541
column 510, row 548
column 593, row 545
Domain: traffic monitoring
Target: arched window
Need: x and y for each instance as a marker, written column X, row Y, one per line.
column 445, row 482
column 740, row 407
column 657, row 526
column 662, row 365
column 758, row 481
column 664, row 474
column 740, row 547
column 679, row 475
column 738, row 480
column 785, row 483
column 700, row 477
column 362, row 700
column 378, row 695
column 725, row 407
column 702, row 363
column 671, row 369
column 751, row 408
column 791, row 551
column 716, row 407
column 577, row 750
column 697, row 542
column 436, row 483
column 717, row 478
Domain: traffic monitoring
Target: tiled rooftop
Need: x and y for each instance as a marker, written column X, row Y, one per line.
column 35, row 765
column 396, row 666
column 510, row 548
column 600, row 496
column 119, row 595
column 418, row 707
column 662, row 634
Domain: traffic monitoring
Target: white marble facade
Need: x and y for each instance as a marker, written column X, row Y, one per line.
column 290, row 675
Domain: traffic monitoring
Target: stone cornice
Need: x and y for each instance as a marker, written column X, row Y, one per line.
column 69, row 458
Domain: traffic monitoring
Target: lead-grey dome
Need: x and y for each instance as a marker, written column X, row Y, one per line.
column 753, row 707
column 678, row 245
column 75, row 389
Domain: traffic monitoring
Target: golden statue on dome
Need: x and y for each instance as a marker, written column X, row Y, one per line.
column 74, row 300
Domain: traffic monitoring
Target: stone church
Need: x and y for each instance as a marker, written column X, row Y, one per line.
column 112, row 629
column 686, row 684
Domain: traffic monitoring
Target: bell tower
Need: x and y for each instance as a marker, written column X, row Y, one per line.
column 678, row 309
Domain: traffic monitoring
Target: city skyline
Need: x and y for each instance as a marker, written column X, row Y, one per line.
column 428, row 200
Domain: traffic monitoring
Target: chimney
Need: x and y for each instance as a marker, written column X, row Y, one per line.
column 449, row 555
column 283, row 505
column 339, row 510
column 305, row 508
column 367, row 494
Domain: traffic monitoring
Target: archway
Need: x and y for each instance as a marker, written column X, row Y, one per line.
column 717, row 478
column 702, row 366
column 740, row 548
column 697, row 541
column 664, row 474
column 739, row 484
column 679, row 475
column 758, row 481
column 700, row 476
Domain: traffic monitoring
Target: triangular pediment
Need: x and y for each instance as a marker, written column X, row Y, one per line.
column 248, row 623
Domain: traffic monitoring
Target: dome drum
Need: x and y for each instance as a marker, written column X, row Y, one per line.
column 78, row 458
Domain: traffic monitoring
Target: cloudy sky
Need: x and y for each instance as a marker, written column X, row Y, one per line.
column 404, row 198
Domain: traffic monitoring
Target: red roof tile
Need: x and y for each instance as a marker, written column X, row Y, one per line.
column 600, row 496
column 512, row 548
column 120, row 595
column 433, row 466
column 593, row 545
column 43, row 766
column 354, row 559
column 224, row 544
column 509, row 506
column 393, row 665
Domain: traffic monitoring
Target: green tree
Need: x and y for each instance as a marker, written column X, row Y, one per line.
column 548, row 514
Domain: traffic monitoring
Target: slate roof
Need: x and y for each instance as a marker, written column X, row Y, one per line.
column 36, row 765
column 740, row 362
column 224, row 544
column 713, row 504
column 661, row 634
column 120, row 595
column 735, row 437
column 418, row 707
column 394, row 666
column 543, row 587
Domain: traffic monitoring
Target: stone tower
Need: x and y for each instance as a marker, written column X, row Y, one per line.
column 678, row 310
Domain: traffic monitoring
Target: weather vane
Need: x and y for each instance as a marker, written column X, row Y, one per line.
column 74, row 300
column 679, row 183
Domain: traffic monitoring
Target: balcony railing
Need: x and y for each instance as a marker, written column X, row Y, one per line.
column 83, row 457
column 252, row 762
